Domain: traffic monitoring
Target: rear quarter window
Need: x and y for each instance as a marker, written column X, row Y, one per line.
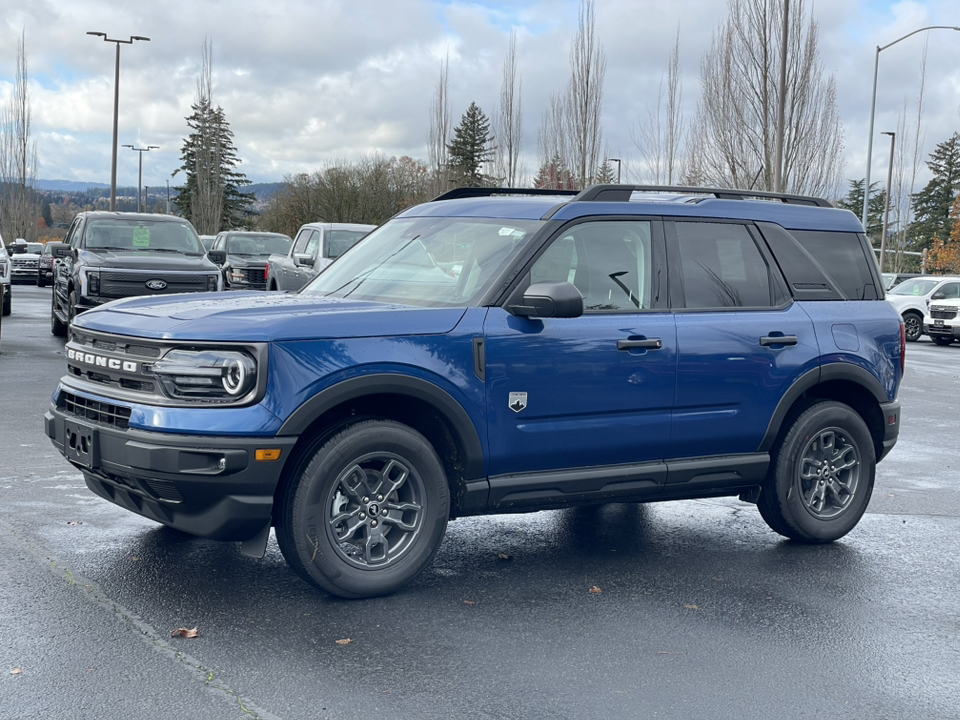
column 842, row 256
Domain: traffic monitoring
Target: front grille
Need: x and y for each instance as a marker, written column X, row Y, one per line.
column 257, row 276
column 120, row 285
column 95, row 410
column 943, row 312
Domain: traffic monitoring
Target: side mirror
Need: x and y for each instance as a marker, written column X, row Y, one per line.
column 304, row 260
column 61, row 250
column 550, row 299
column 217, row 257
column 939, row 296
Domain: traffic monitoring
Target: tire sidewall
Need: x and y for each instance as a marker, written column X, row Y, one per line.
column 802, row 523
column 911, row 320
column 316, row 554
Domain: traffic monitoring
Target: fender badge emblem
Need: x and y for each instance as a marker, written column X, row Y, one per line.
column 517, row 401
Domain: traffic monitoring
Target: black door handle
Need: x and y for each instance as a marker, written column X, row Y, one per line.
column 648, row 344
column 778, row 340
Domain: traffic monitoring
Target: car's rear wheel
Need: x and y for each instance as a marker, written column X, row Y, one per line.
column 821, row 475
column 57, row 326
column 941, row 340
column 913, row 326
column 365, row 513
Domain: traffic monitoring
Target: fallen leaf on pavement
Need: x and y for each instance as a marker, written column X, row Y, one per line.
column 469, row 602
column 691, row 607
column 344, row 641
column 17, row 671
column 595, row 590
column 184, row 632
column 504, row 556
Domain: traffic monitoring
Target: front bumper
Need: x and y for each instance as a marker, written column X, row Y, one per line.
column 947, row 328
column 209, row 486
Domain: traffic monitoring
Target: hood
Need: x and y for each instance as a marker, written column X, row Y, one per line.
column 146, row 260
column 902, row 301
column 263, row 317
column 241, row 261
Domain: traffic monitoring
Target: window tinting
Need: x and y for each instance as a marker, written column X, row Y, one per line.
column 722, row 267
column 609, row 262
column 842, row 256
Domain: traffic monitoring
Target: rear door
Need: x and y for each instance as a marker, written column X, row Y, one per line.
column 741, row 340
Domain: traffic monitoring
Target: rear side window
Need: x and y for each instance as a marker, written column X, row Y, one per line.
column 722, row 267
column 843, row 258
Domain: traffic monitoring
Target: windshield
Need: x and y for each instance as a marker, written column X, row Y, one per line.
column 258, row 244
column 916, row 286
column 142, row 235
column 431, row 262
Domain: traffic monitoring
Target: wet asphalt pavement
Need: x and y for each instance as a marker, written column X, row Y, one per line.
column 702, row 611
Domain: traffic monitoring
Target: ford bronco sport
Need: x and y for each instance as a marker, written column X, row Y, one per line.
column 499, row 351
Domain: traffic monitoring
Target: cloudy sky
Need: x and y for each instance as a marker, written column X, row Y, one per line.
column 303, row 82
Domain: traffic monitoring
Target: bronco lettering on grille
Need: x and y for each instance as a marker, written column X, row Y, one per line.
column 101, row 361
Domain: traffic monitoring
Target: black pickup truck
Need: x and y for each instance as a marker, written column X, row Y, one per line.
column 110, row 255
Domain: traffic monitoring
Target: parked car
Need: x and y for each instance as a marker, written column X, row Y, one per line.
column 316, row 246
column 45, row 264
column 891, row 280
column 245, row 267
column 25, row 260
column 483, row 354
column 5, row 279
column 207, row 241
column 110, row 255
column 941, row 322
column 912, row 297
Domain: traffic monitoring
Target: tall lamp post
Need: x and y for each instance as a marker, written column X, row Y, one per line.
column 617, row 161
column 148, row 148
column 116, row 109
column 886, row 204
column 873, row 110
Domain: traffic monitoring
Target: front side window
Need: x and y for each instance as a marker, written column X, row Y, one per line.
column 609, row 262
column 339, row 241
column 722, row 267
column 301, row 241
column 950, row 291
column 425, row 261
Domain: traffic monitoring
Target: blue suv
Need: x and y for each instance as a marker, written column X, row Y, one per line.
column 500, row 351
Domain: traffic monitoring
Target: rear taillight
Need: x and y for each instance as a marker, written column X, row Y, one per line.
column 903, row 347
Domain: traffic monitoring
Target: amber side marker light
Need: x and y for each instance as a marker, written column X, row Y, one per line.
column 268, row 454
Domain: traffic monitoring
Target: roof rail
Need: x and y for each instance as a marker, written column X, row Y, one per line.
column 622, row 193
column 472, row 192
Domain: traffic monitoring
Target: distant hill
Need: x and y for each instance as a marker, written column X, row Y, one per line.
column 263, row 191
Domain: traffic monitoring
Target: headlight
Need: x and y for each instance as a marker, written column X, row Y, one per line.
column 212, row 283
column 207, row 375
column 93, row 282
column 236, row 275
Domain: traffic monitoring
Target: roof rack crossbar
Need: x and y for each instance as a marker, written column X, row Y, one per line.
column 622, row 193
column 473, row 192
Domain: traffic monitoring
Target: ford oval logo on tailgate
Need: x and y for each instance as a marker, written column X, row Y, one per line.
column 156, row 284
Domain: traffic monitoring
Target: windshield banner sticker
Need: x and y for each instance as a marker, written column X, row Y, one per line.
column 141, row 237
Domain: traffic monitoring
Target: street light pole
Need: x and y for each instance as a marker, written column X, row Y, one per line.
column 148, row 148
column 886, row 204
column 873, row 111
column 116, row 109
column 617, row 161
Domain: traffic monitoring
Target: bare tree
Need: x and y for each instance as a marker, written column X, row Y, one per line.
column 552, row 145
column 735, row 123
column 585, row 97
column 207, row 200
column 19, row 206
column 440, row 128
column 508, row 122
column 660, row 138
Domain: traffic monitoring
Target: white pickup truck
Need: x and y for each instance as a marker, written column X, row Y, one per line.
column 316, row 246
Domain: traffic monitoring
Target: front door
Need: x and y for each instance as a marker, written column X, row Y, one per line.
column 595, row 390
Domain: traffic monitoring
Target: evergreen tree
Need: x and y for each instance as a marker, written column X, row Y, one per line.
column 472, row 146
column 605, row 173
column 931, row 206
column 211, row 198
column 854, row 203
column 554, row 175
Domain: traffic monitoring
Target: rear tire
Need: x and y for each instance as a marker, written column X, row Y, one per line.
column 821, row 475
column 41, row 281
column 912, row 326
column 365, row 513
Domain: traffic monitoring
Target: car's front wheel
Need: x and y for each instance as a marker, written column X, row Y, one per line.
column 821, row 475
column 57, row 326
column 364, row 514
column 913, row 326
column 41, row 280
column 7, row 301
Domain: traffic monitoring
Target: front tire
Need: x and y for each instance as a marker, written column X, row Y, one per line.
column 821, row 475
column 365, row 513
column 57, row 327
column 7, row 301
column 912, row 326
